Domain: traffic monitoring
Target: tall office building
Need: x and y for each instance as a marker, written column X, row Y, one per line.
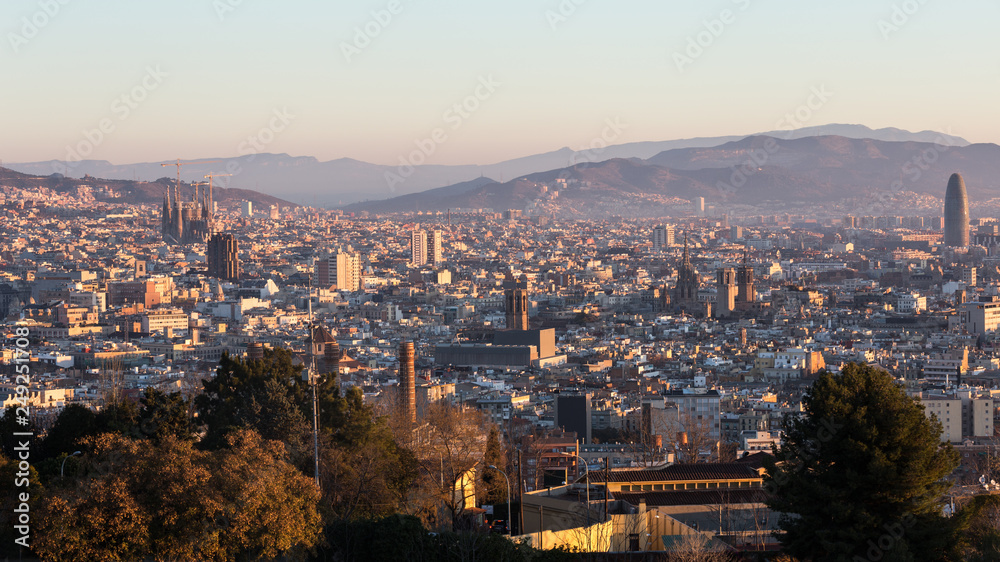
column 435, row 253
column 407, row 383
column 340, row 270
column 725, row 300
column 699, row 206
column 515, row 294
column 956, row 213
column 223, row 257
column 663, row 237
column 247, row 208
column 426, row 247
column 418, row 247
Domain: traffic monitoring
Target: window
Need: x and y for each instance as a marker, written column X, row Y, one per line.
column 633, row 542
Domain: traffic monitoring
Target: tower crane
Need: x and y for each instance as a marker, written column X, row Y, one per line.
column 210, row 176
column 178, row 163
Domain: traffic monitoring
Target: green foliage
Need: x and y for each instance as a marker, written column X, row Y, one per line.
column 979, row 525
column 162, row 414
column 268, row 396
column 74, row 421
column 861, row 473
column 494, row 483
column 366, row 473
column 156, row 416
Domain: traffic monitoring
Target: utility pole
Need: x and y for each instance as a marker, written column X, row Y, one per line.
column 520, row 494
column 310, row 375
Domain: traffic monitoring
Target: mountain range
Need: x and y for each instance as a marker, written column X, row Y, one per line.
column 754, row 174
column 335, row 183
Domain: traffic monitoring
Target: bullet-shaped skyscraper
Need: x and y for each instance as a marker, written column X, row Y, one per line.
column 956, row 213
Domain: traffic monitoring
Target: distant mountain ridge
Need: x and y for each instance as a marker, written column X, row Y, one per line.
column 128, row 192
column 750, row 172
column 308, row 181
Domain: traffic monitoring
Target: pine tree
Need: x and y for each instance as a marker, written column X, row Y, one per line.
column 860, row 474
column 494, row 484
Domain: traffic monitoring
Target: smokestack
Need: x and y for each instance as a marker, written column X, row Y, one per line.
column 331, row 354
column 407, row 383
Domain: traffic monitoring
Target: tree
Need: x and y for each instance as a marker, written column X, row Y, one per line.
column 265, row 395
column 175, row 502
column 75, row 421
column 861, row 473
column 451, row 444
column 494, row 484
column 979, row 525
column 365, row 473
column 162, row 414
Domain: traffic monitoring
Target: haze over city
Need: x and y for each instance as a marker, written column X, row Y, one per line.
column 561, row 67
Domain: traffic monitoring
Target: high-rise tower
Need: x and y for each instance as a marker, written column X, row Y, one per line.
column 407, row 383
column 223, row 257
column 956, row 212
column 418, row 247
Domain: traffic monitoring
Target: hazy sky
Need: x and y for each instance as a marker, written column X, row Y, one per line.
column 201, row 76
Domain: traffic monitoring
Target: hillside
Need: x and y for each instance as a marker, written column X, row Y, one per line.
column 763, row 173
column 133, row 192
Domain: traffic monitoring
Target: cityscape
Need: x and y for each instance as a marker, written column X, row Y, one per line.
column 659, row 342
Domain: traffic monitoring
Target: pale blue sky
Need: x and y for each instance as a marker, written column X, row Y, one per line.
column 225, row 77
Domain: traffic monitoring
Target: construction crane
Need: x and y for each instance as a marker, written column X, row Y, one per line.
column 210, row 176
column 178, row 163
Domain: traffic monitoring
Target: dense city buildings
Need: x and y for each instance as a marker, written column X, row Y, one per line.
column 602, row 346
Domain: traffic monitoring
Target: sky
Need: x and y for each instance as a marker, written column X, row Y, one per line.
column 473, row 82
